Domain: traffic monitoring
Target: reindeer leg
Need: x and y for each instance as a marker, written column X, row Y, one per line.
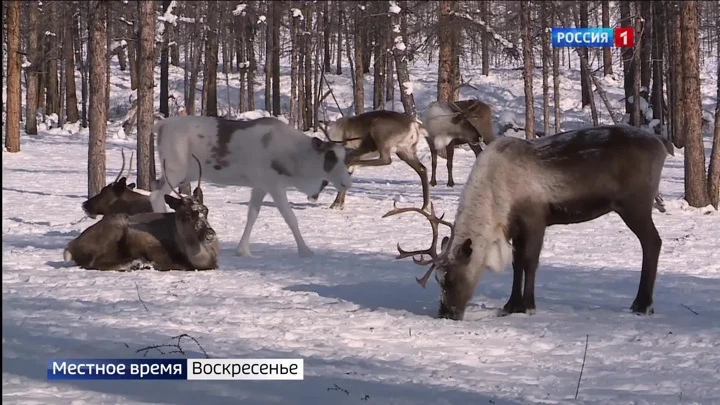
column 412, row 160
column 515, row 302
column 638, row 217
column 526, row 257
column 433, row 161
column 383, row 160
column 450, row 152
column 339, row 202
column 281, row 201
column 256, row 199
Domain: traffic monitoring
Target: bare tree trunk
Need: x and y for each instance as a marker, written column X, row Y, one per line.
column 546, row 56
column 51, row 65
column 636, row 118
column 294, row 38
column 677, row 100
column 164, row 66
column 211, row 60
column 12, row 126
column 645, row 42
column 146, row 79
column 308, row 101
column 401, row 64
column 31, row 95
column 485, row 39
column 585, row 89
column 97, row 24
column 627, row 57
column 714, row 169
column 528, row 70
column 607, row 51
column 390, row 72
column 380, row 32
column 338, row 60
column 658, row 44
column 556, row 77
column 695, row 180
column 71, row 101
column 446, row 55
column 326, row 36
column 359, row 94
column 269, row 21
column 277, row 22
column 252, row 67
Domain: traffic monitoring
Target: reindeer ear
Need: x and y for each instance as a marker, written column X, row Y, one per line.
column 119, row 186
column 172, row 202
column 131, row 186
column 198, row 194
column 317, row 144
column 444, row 243
column 465, row 251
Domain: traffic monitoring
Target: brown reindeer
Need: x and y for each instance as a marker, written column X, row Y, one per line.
column 118, row 197
column 453, row 124
column 517, row 188
column 180, row 240
column 380, row 132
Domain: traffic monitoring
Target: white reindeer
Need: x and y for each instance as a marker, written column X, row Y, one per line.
column 265, row 154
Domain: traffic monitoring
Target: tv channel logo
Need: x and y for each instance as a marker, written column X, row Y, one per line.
column 593, row 37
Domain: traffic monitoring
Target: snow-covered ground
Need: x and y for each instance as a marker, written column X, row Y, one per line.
column 363, row 325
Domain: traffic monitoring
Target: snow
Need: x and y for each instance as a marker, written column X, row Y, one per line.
column 261, row 19
column 407, row 88
column 353, row 312
column 297, row 13
column 239, row 9
column 394, row 8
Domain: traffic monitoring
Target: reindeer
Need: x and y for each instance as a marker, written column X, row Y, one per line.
column 517, row 188
column 118, row 197
column 453, row 124
column 180, row 240
column 264, row 154
column 382, row 132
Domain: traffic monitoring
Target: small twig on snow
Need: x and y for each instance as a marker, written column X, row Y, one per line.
column 577, row 390
column 176, row 346
column 137, row 288
column 690, row 309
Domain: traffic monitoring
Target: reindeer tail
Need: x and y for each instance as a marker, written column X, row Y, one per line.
column 67, row 255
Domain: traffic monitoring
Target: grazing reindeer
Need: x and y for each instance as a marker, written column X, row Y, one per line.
column 265, row 154
column 453, row 124
column 118, row 197
column 180, row 240
column 517, row 188
column 383, row 132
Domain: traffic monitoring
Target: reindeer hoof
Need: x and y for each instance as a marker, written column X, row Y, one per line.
column 451, row 183
column 433, row 183
column 336, row 206
column 642, row 308
column 305, row 252
column 513, row 307
column 243, row 252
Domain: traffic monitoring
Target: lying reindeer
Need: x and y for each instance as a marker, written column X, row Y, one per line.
column 265, row 154
column 383, row 132
column 453, row 124
column 180, row 240
column 118, row 197
column 517, row 188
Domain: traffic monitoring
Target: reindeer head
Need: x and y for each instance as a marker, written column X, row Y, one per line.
column 117, row 190
column 449, row 265
column 190, row 211
column 334, row 168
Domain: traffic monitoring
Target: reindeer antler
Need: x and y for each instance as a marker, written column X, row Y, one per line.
column 168, row 181
column 132, row 154
column 432, row 250
column 199, row 169
column 344, row 141
column 122, row 169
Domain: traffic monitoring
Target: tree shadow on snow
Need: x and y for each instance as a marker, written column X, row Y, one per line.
column 30, row 342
